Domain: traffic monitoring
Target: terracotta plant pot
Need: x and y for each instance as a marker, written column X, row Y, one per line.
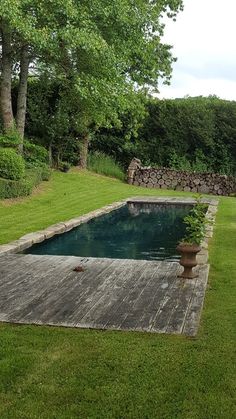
column 188, row 259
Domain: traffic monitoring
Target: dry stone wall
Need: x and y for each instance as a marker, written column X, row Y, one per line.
column 164, row 178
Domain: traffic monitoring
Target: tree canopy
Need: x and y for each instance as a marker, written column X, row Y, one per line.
column 100, row 52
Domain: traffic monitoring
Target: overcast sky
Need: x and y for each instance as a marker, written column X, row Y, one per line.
column 204, row 41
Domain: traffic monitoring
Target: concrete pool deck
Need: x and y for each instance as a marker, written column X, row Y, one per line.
column 108, row 294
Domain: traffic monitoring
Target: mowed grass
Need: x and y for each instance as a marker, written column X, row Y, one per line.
column 48, row 372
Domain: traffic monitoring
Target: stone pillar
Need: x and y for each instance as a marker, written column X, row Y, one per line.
column 134, row 165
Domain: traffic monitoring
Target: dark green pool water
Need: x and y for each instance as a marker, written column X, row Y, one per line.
column 135, row 231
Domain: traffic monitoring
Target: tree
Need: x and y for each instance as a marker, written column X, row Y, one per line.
column 27, row 32
column 6, row 77
column 101, row 51
column 116, row 51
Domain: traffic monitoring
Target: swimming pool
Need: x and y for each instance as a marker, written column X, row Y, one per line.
column 144, row 231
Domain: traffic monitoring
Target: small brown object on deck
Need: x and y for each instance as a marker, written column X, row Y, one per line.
column 79, row 269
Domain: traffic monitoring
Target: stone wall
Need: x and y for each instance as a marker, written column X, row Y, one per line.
column 164, row 178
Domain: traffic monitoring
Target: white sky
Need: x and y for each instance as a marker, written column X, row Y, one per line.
column 204, row 41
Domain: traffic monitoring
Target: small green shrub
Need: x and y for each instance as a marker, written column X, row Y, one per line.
column 198, row 165
column 64, row 166
column 34, row 154
column 105, row 165
column 12, row 165
column 196, row 223
column 179, row 163
column 45, row 172
column 12, row 139
column 37, row 174
column 34, row 176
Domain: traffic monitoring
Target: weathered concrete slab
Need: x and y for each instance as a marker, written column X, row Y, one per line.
column 108, row 294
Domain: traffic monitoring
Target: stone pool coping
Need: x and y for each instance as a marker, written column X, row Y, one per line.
column 28, row 240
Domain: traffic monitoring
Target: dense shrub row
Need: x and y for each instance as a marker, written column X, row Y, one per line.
column 21, row 172
column 14, row 188
column 23, row 187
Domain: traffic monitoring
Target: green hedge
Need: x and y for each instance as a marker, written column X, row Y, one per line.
column 12, row 165
column 34, row 153
column 14, row 188
column 23, row 187
column 11, row 139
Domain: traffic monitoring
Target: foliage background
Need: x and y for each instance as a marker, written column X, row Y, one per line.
column 193, row 133
column 190, row 134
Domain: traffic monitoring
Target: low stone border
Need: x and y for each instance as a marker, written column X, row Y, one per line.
column 29, row 239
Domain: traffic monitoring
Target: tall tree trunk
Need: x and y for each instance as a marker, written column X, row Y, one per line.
column 84, row 152
column 22, row 93
column 6, row 76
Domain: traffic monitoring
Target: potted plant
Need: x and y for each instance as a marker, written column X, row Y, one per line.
column 64, row 166
column 190, row 245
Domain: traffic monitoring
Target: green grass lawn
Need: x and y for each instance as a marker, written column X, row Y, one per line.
column 59, row 373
